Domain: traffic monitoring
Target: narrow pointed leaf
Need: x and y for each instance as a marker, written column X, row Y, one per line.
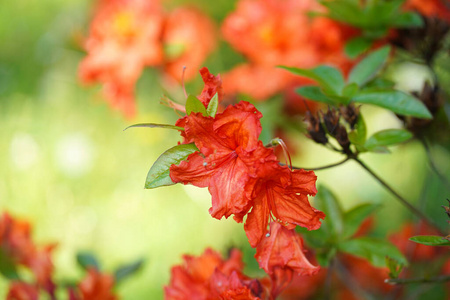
column 154, row 125
column 315, row 93
column 372, row 249
column 159, row 174
column 87, row 260
column 407, row 19
column 430, row 240
column 329, row 78
column 211, row 110
column 7, row 266
column 355, row 216
column 369, row 66
column 193, row 104
column 328, row 203
column 357, row 46
column 396, row 101
column 128, row 270
column 387, row 137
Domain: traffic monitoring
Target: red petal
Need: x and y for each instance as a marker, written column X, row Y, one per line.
column 256, row 224
column 213, row 85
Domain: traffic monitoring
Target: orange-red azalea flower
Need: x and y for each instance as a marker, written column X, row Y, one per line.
column 271, row 33
column 189, row 37
column 124, row 38
column 209, row 277
column 430, row 8
column 19, row 290
column 281, row 255
column 227, row 145
column 97, row 286
column 280, row 194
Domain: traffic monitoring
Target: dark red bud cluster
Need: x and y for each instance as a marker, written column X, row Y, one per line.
column 330, row 123
column 424, row 42
column 315, row 129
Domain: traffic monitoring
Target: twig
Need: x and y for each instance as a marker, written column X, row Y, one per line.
column 436, row 279
column 433, row 165
column 323, row 167
column 347, row 278
column 402, row 200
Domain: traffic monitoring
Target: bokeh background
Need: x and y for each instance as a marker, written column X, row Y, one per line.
column 68, row 167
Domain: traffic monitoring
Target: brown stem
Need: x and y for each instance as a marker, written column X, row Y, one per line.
column 402, row 200
column 441, row 278
column 323, row 167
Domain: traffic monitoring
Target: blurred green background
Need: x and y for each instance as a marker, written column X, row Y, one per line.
column 68, row 167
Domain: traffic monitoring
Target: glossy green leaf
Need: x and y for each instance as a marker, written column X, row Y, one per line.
column 128, row 270
column 358, row 135
column 159, row 174
column 7, row 266
column 388, row 137
column 357, row 46
column 328, row 203
column 355, row 216
column 193, row 104
column 315, row 93
column 329, row 78
column 407, row 19
column 350, row 90
column 379, row 83
column 430, row 240
column 211, row 110
column 154, row 125
column 365, row 70
column 374, row 250
column 87, row 260
column 396, row 101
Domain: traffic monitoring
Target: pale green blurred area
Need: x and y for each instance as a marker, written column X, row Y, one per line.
column 68, row 167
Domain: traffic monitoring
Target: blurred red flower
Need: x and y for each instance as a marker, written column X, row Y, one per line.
column 209, row 277
column 271, row 33
column 189, row 37
column 430, row 8
column 124, row 38
column 96, row 286
column 19, row 290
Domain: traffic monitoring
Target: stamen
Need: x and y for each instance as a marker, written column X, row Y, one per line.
column 169, row 103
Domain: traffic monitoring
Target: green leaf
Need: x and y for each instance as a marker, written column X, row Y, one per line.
column 211, row 110
column 7, row 266
column 350, row 90
column 395, row 268
column 159, row 174
column 193, row 104
column 379, row 83
column 325, row 255
column 396, row 101
column 407, row 19
column 364, row 71
column 314, row 93
column 375, row 250
column 329, row 78
column 355, row 216
column 357, row 46
column 388, row 137
column 154, row 125
column 127, row 270
column 358, row 136
column 87, row 260
column 430, row 240
column 329, row 204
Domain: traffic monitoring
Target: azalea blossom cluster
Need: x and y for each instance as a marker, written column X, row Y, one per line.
column 210, row 277
column 18, row 249
column 245, row 178
column 280, row 33
column 128, row 35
